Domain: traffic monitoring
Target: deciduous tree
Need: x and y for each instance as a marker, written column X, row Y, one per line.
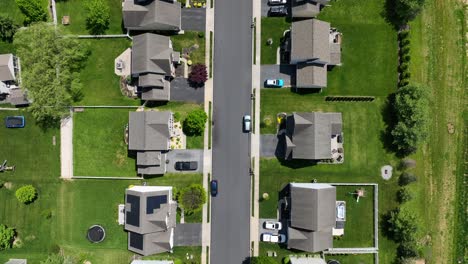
column 192, row 198
column 7, row 28
column 7, row 235
column 98, row 17
column 33, row 10
column 194, row 124
column 198, row 75
column 407, row 10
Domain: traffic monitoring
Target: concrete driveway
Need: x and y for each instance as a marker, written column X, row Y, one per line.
column 193, row 19
column 185, row 155
column 187, row 235
column 265, row 8
column 284, row 71
column 183, row 92
column 268, row 145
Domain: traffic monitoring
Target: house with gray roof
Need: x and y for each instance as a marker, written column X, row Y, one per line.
column 150, row 218
column 311, row 216
column 7, row 68
column 313, row 136
column 153, row 65
column 17, row 261
column 306, row 260
column 149, row 135
column 307, row 8
column 313, row 47
column 157, row 15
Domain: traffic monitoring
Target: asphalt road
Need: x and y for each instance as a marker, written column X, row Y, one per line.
column 230, row 212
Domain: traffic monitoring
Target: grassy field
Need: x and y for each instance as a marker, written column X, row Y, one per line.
column 9, row 8
column 187, row 40
column 369, row 49
column 439, row 60
column 100, row 84
column 272, row 27
column 76, row 9
column 37, row 163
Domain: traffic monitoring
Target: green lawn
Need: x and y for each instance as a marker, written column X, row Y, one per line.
column 37, row 163
column 187, row 40
column 76, row 9
column 272, row 27
column 369, row 49
column 100, row 85
column 98, row 143
column 9, row 8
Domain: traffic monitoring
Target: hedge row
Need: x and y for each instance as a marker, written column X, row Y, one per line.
column 350, row 98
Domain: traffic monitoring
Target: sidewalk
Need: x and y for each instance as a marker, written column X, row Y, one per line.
column 207, row 155
column 255, row 143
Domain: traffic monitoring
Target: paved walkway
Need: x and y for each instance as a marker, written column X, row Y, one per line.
column 255, row 143
column 66, row 147
column 207, row 155
column 268, row 145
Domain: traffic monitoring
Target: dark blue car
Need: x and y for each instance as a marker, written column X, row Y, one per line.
column 15, row 122
column 214, row 187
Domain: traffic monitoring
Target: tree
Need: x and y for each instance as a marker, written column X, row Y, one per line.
column 26, row 194
column 198, row 75
column 7, row 29
column 194, row 124
column 412, row 112
column 192, row 198
column 7, row 235
column 33, row 10
column 404, row 195
column 402, row 226
column 406, row 178
column 49, row 73
column 262, row 260
column 98, row 17
column 407, row 10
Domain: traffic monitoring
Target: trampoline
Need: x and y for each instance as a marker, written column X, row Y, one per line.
column 332, row 261
column 96, row 234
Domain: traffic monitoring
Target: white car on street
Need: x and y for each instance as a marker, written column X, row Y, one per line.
column 270, row 225
column 268, row 237
column 277, row 2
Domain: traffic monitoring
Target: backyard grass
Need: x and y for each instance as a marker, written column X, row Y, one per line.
column 187, row 40
column 9, row 8
column 369, row 49
column 76, row 9
column 100, row 85
column 272, row 27
column 37, row 163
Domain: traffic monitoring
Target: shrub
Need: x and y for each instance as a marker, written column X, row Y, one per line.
column 403, row 83
column 33, row 10
column 403, row 35
column 26, row 194
column 194, row 124
column 7, row 235
column 98, row 17
column 406, row 178
column 407, row 10
column 406, row 58
column 177, row 116
column 198, row 75
column 192, row 198
column 402, row 226
column 404, row 42
column 286, row 260
column 405, row 75
column 404, row 195
column 7, row 29
column 403, row 67
column 407, row 163
column 201, row 34
column 404, row 51
column 407, row 250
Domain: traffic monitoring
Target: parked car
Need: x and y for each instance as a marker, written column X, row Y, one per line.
column 246, row 122
column 15, row 122
column 277, row 2
column 273, row 225
column 275, row 83
column 269, row 237
column 186, row 165
column 278, row 11
column 214, row 187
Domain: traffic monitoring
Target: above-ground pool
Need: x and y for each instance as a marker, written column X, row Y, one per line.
column 14, row 121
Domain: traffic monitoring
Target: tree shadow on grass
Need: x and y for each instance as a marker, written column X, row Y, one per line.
column 390, row 15
column 390, row 120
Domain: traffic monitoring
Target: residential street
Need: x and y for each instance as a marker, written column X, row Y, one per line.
column 231, row 209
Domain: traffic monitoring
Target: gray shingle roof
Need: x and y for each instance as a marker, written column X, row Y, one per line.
column 157, row 15
column 305, row 9
column 154, row 223
column 149, row 130
column 17, row 261
column 311, row 76
column 310, row 41
column 310, row 134
column 7, row 72
column 152, row 53
column 310, row 241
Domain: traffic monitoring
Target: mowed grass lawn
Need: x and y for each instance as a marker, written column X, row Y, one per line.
column 187, row 40
column 38, row 163
column 100, row 84
column 272, row 27
column 76, row 9
column 369, row 49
